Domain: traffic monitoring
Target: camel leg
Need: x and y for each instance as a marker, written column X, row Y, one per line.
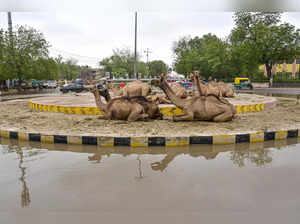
column 184, row 117
column 137, row 114
column 226, row 116
column 137, row 117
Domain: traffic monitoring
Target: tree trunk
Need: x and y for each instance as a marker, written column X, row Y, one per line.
column 269, row 73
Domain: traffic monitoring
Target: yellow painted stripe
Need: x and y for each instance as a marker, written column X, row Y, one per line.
column 280, row 135
column 139, row 141
column 4, row 133
column 238, row 109
column 47, row 139
column 257, row 137
column 177, row 141
column 23, row 136
column 245, row 108
column 223, row 139
column 105, row 141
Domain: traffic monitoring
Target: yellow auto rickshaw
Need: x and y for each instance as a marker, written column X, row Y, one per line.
column 242, row 83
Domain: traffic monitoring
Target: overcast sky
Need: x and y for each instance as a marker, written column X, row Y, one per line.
column 89, row 32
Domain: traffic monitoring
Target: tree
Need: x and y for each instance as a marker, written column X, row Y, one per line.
column 67, row 69
column 122, row 62
column 263, row 40
column 157, row 67
column 209, row 54
column 22, row 51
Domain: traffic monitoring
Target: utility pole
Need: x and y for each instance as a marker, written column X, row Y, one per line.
column 10, row 40
column 147, row 53
column 9, row 22
column 134, row 68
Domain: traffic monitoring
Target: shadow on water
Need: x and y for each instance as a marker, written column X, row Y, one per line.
column 258, row 154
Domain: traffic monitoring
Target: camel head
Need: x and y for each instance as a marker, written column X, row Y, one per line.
column 153, row 110
column 93, row 89
column 103, row 92
column 158, row 82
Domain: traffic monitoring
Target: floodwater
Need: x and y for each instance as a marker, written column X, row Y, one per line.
column 243, row 183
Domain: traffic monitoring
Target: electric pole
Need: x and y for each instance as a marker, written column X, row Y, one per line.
column 9, row 22
column 134, row 68
column 147, row 54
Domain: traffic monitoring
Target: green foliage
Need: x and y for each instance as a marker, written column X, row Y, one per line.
column 67, row 69
column 208, row 54
column 122, row 62
column 157, row 67
column 24, row 56
column 260, row 39
column 22, row 52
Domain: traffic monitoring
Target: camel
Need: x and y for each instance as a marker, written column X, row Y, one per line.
column 226, row 91
column 201, row 91
column 209, row 108
column 204, row 90
column 136, row 88
column 219, row 89
column 179, row 91
column 126, row 108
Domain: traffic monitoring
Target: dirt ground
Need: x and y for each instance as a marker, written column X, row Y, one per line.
column 16, row 115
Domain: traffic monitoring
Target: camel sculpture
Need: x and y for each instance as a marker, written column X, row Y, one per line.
column 219, row 89
column 125, row 108
column 201, row 89
column 135, row 88
column 209, row 108
column 160, row 98
column 226, row 91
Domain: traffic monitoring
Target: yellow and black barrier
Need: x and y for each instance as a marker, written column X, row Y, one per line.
column 152, row 141
column 164, row 109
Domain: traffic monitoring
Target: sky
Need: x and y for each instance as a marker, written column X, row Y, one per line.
column 89, row 30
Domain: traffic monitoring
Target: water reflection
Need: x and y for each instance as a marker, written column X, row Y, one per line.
column 22, row 153
column 241, row 155
column 25, row 195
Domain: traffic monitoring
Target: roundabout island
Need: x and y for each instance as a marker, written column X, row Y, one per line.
column 75, row 119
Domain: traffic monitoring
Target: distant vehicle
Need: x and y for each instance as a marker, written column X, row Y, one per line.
column 242, row 83
column 79, row 81
column 50, row 84
column 73, row 87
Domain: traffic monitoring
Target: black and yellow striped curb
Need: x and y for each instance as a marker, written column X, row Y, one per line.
column 165, row 110
column 151, row 141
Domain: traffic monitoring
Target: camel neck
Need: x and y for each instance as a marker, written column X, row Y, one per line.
column 200, row 86
column 172, row 96
column 99, row 103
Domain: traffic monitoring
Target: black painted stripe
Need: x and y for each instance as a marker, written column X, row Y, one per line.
column 34, row 137
column 201, row 140
column 122, row 141
column 242, row 138
column 13, row 135
column 89, row 140
column 156, row 141
column 269, row 136
column 62, row 139
column 292, row 134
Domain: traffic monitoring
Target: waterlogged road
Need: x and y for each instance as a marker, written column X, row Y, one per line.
column 257, row 183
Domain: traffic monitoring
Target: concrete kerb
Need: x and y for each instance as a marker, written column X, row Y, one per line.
column 166, row 110
column 105, row 141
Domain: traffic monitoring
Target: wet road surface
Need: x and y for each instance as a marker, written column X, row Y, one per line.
column 241, row 183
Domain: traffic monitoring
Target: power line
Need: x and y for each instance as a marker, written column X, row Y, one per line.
column 74, row 54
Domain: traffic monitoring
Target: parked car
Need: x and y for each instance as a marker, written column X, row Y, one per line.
column 74, row 87
column 50, row 84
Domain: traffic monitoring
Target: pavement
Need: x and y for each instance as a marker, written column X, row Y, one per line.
column 273, row 91
column 28, row 96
